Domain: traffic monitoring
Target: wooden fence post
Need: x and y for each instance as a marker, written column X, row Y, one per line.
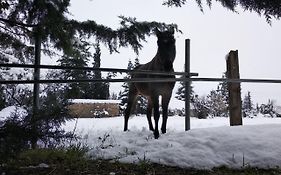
column 187, row 85
column 234, row 89
column 36, row 87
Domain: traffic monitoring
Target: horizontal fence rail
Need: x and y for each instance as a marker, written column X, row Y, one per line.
column 156, row 80
column 241, row 80
column 97, row 69
column 125, row 80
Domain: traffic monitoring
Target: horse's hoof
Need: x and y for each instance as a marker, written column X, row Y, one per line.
column 163, row 131
column 156, row 134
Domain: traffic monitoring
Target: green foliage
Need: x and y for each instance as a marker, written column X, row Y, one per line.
column 74, row 160
column 73, row 90
column 98, row 90
column 52, row 113
column 84, row 90
column 17, row 131
column 2, row 98
column 14, row 136
column 73, row 157
column 269, row 9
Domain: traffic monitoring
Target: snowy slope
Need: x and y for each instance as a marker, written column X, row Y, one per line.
column 210, row 143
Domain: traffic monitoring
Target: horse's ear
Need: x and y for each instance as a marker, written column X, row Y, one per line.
column 172, row 30
column 157, row 32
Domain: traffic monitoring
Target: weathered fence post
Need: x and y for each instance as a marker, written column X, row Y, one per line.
column 187, row 85
column 234, row 89
column 36, row 86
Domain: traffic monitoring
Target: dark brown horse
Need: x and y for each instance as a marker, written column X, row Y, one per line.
column 163, row 61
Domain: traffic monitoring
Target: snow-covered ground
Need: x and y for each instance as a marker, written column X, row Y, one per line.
column 210, row 142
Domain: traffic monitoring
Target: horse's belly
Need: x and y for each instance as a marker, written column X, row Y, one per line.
column 149, row 89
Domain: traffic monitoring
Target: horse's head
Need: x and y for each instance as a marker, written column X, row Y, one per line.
column 166, row 47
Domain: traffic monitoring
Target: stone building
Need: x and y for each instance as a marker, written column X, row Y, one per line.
column 88, row 108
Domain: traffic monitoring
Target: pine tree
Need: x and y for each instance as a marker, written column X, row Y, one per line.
column 74, row 90
column 99, row 90
column 180, row 94
column 223, row 88
column 141, row 101
column 218, row 100
column 217, row 104
column 113, row 96
column 123, row 95
column 268, row 109
column 201, row 109
column 247, row 105
column 270, row 9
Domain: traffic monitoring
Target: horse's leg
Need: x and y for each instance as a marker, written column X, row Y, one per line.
column 148, row 114
column 131, row 102
column 155, row 101
column 165, row 103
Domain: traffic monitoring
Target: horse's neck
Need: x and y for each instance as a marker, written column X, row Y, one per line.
column 162, row 55
column 166, row 53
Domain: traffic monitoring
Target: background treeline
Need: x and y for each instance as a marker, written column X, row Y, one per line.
column 215, row 104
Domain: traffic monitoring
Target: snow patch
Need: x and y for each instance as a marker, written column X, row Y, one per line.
column 11, row 112
column 210, row 143
column 93, row 101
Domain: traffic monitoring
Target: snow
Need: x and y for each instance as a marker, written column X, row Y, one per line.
column 210, row 142
column 11, row 111
column 94, row 101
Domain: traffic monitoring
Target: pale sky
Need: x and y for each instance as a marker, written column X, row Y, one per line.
column 212, row 33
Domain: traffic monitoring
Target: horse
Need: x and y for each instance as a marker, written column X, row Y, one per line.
column 162, row 62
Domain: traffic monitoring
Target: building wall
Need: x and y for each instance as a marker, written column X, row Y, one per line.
column 94, row 110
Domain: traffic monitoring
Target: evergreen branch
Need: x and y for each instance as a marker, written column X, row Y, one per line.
column 130, row 33
column 270, row 9
column 12, row 95
column 12, row 32
column 13, row 23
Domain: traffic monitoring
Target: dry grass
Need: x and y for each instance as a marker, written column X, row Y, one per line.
column 73, row 161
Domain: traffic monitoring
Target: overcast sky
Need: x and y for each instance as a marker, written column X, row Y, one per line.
column 212, row 33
